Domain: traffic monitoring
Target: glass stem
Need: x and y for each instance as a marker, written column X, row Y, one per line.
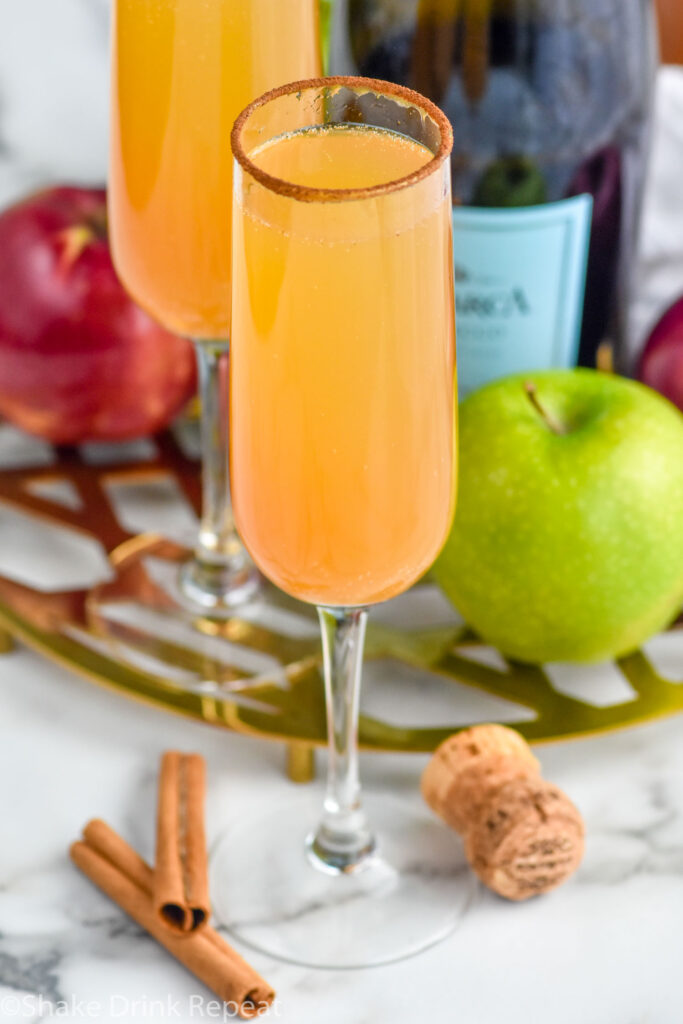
column 221, row 573
column 343, row 840
column 218, row 541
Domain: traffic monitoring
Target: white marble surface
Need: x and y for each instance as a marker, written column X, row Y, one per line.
column 603, row 950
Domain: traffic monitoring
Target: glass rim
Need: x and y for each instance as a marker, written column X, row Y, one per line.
column 309, row 194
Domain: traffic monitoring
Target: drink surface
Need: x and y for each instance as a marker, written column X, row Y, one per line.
column 182, row 72
column 342, row 393
column 341, row 156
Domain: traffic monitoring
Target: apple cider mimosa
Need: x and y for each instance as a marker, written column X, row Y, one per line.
column 342, row 402
column 183, row 70
column 342, row 390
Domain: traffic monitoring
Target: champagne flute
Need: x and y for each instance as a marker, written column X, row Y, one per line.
column 182, row 71
column 343, row 474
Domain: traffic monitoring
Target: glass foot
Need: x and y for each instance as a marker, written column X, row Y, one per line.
column 408, row 895
column 218, row 589
column 145, row 619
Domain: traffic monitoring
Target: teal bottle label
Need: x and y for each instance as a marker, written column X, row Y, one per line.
column 519, row 284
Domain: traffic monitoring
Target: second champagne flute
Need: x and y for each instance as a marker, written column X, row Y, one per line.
column 182, row 71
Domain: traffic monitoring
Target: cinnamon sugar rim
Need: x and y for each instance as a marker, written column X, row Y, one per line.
column 307, row 194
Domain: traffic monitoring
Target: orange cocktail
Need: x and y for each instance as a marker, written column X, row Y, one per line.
column 183, row 70
column 342, row 394
column 342, row 401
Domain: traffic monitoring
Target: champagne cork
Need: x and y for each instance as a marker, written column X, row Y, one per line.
column 522, row 835
column 468, row 767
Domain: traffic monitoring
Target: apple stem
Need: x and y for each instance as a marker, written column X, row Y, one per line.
column 75, row 240
column 550, row 421
column 98, row 222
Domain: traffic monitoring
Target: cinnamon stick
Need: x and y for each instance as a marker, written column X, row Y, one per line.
column 115, row 868
column 181, row 888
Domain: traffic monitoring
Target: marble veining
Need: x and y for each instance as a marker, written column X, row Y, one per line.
column 32, row 973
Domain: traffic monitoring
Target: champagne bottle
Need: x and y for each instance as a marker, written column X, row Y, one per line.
column 550, row 102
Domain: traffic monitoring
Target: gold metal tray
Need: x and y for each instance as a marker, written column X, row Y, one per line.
column 278, row 695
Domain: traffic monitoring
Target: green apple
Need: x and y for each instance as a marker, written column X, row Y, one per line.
column 568, row 537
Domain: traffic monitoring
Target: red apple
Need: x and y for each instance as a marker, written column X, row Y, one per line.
column 661, row 365
column 79, row 361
